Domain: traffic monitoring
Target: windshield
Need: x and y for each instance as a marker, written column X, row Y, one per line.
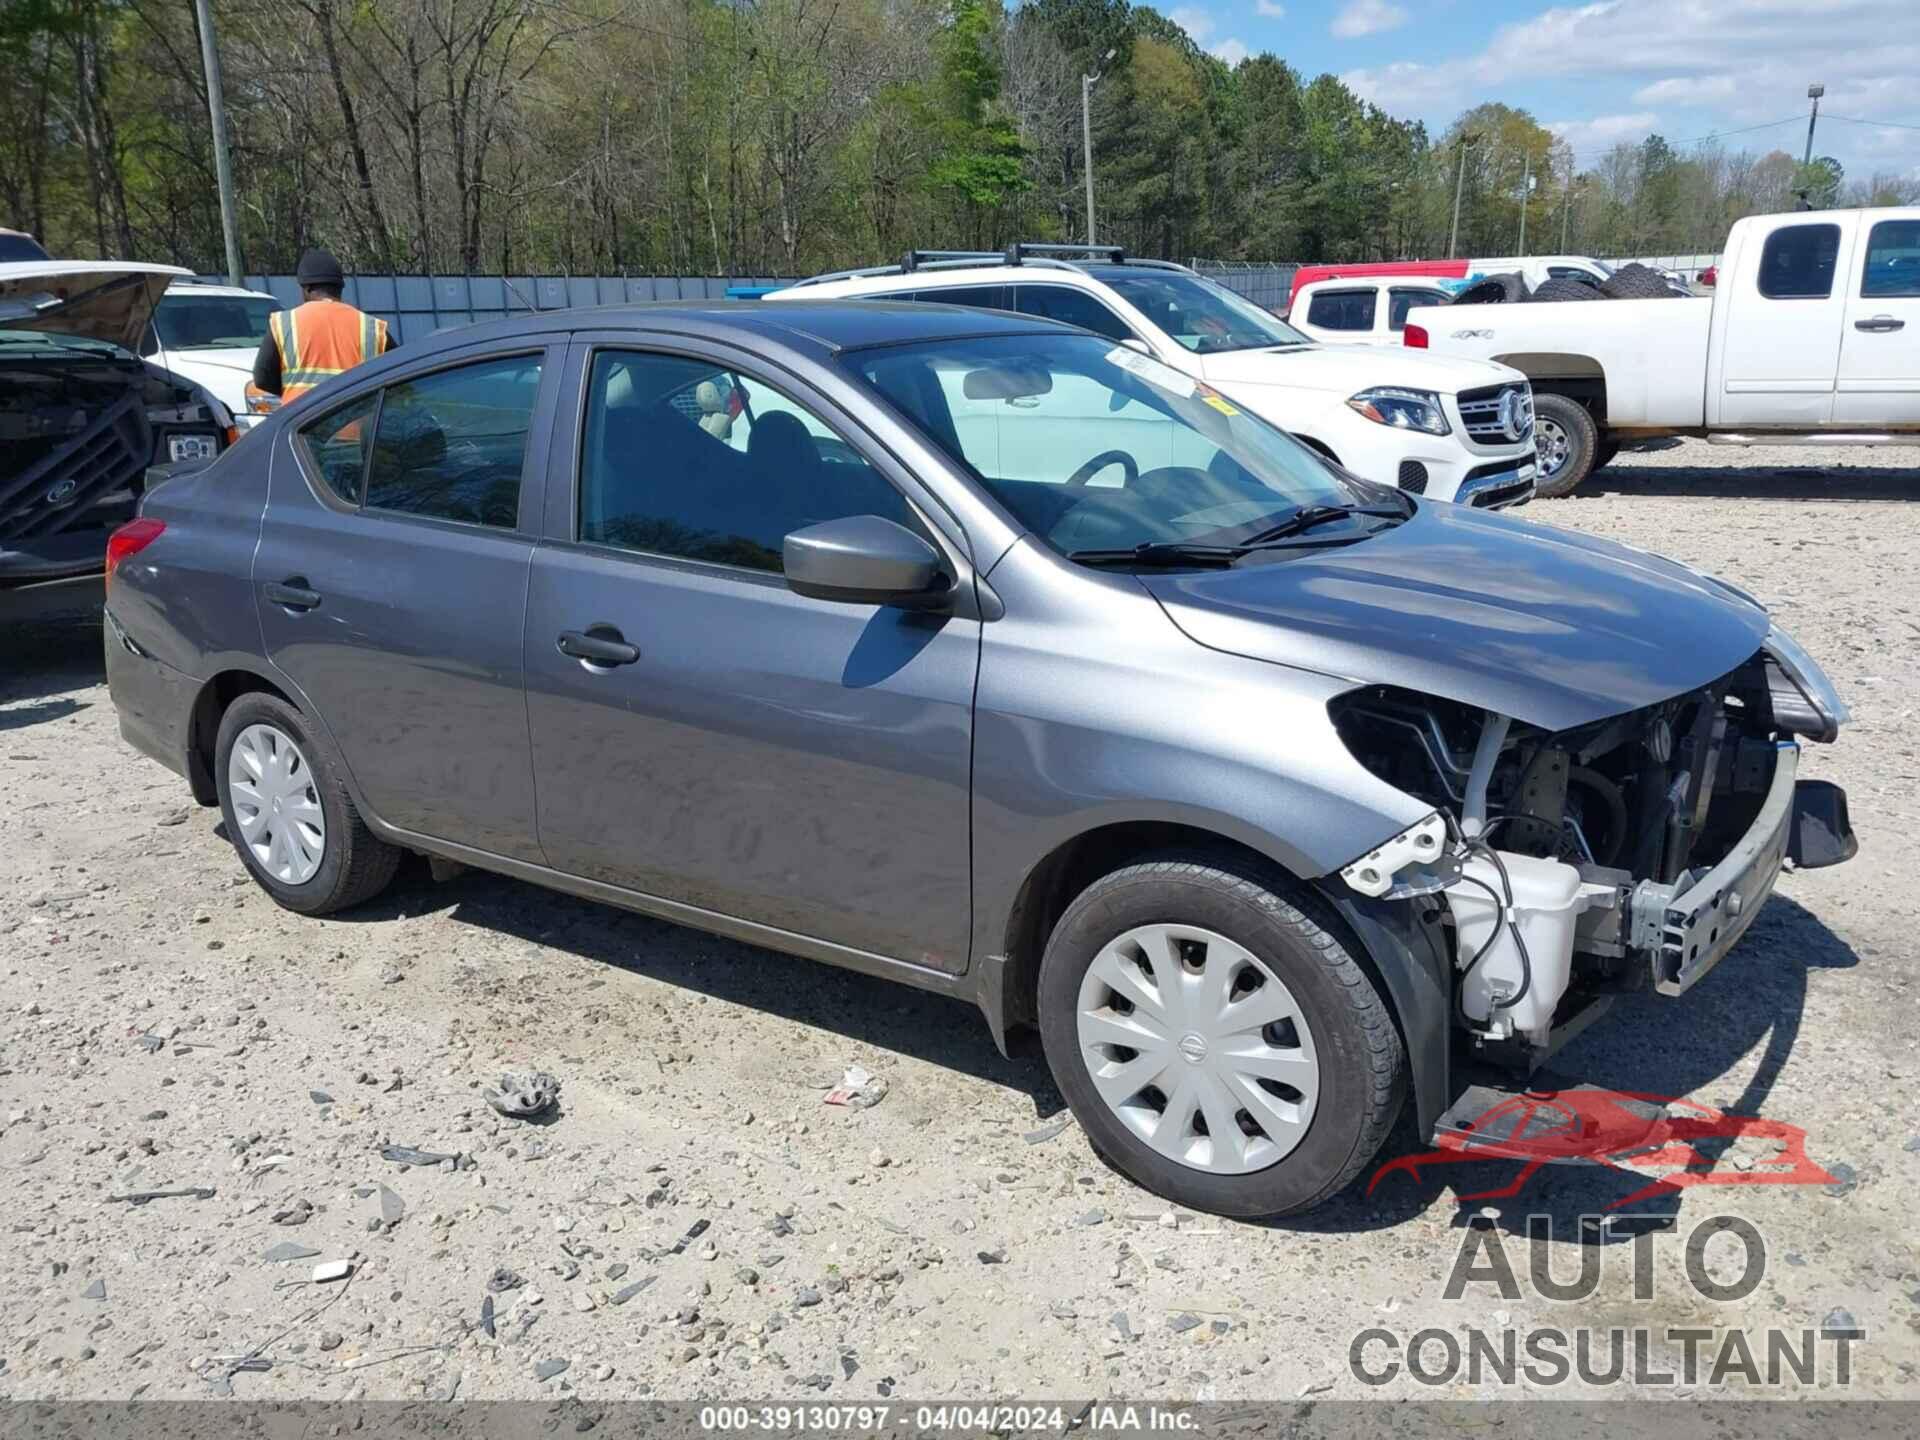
column 1094, row 446
column 213, row 322
column 1204, row 317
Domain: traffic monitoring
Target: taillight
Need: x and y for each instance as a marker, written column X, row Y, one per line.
column 130, row 539
column 1415, row 336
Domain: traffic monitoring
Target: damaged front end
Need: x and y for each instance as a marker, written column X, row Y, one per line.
column 1625, row 853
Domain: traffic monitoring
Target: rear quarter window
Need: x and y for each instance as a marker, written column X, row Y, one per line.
column 1797, row 262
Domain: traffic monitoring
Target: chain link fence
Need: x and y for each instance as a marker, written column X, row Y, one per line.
column 1268, row 284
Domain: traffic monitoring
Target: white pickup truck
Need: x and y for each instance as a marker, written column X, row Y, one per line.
column 1811, row 337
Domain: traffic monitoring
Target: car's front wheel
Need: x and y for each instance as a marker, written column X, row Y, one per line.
column 1217, row 1042
column 288, row 814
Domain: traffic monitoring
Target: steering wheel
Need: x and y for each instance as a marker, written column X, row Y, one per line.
column 1100, row 462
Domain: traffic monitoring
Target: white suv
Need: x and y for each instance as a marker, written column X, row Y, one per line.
column 1367, row 310
column 1451, row 431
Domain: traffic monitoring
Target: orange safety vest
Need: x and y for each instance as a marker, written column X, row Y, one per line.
column 322, row 339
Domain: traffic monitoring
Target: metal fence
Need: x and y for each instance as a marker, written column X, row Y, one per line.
column 415, row 306
column 1270, row 285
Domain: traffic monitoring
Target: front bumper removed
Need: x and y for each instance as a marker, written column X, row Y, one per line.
column 1688, row 927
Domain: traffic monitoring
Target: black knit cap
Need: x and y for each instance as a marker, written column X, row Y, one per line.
column 318, row 267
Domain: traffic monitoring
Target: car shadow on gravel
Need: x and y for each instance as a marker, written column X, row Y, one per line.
column 42, row 661
column 1748, row 482
column 1751, row 1005
column 865, row 1009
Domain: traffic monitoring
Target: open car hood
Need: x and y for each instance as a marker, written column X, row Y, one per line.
column 1551, row 628
column 109, row 300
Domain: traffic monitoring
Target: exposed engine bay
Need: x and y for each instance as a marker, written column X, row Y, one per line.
column 1625, row 853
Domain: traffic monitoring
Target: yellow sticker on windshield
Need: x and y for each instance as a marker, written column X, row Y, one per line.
column 1217, row 403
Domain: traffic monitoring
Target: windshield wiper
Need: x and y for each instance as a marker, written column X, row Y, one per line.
column 1314, row 515
column 1162, row 552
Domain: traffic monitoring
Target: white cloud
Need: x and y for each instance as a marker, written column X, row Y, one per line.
column 1269, row 9
column 1231, row 51
column 1744, row 64
column 1369, row 17
column 1603, row 131
column 1686, row 90
column 1196, row 22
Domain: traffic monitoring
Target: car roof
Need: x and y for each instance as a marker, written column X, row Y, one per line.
column 821, row 326
column 994, row 273
column 197, row 287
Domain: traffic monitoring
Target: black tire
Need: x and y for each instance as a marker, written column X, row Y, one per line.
column 1583, row 444
column 355, row 864
column 1493, row 290
column 1563, row 288
column 1638, row 282
column 1362, row 1064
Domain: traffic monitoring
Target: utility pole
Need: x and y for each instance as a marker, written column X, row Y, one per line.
column 222, row 162
column 1087, row 82
column 1814, row 92
column 1526, row 193
column 1566, row 210
column 1466, row 143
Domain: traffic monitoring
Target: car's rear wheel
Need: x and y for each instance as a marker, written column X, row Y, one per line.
column 288, row 814
column 1567, row 442
column 1220, row 1045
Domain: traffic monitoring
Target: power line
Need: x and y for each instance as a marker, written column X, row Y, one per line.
column 1877, row 124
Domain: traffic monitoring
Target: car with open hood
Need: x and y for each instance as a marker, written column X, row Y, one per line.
column 82, row 416
column 990, row 656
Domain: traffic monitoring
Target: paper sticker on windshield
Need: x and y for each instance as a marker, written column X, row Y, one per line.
column 1216, row 400
column 1161, row 377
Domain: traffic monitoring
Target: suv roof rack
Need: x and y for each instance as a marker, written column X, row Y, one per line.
column 1042, row 254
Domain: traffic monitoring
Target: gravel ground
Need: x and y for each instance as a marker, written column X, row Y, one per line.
column 697, row 1222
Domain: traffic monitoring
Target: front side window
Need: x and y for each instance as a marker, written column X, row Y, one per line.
column 1797, row 262
column 685, row 458
column 1893, row 261
column 1401, row 301
column 1072, row 307
column 1342, row 309
column 452, row 445
column 336, row 447
column 212, row 322
column 1094, row 446
column 1202, row 316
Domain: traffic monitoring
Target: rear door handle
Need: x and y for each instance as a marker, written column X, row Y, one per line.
column 598, row 645
column 1880, row 324
column 293, row 594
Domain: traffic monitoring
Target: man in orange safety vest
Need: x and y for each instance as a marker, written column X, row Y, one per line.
column 321, row 337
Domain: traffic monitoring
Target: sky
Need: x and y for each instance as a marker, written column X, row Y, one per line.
column 1612, row 70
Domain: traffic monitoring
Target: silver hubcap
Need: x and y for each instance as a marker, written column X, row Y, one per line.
column 276, row 805
column 1196, row 1046
column 1552, row 444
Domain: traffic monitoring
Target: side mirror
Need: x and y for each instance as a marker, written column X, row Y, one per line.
column 865, row 560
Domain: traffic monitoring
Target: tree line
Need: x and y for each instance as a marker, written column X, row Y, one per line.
column 742, row 137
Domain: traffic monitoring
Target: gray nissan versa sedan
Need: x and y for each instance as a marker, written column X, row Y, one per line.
column 981, row 653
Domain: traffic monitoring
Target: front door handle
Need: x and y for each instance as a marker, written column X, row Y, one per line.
column 1880, row 324
column 598, row 645
column 293, row 594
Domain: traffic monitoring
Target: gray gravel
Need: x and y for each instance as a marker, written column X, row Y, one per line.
column 163, row 1027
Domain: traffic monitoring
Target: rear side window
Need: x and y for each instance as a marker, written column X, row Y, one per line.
column 1075, row 307
column 1797, row 262
column 1893, row 260
column 1342, row 310
column 978, row 297
column 336, row 447
column 451, row 445
column 1401, row 301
